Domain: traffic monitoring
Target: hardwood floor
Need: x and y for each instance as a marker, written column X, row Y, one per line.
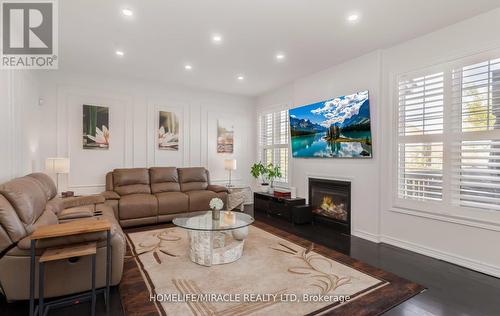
column 451, row 290
column 82, row 309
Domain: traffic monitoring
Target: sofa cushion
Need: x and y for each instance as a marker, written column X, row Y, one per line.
column 131, row 181
column 26, row 196
column 46, row 183
column 164, row 179
column 172, row 202
column 10, row 222
column 200, row 200
column 192, row 179
column 137, row 206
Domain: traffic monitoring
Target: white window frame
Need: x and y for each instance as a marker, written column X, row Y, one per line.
column 444, row 209
column 261, row 147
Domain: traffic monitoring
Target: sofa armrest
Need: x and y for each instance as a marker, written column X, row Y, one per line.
column 77, row 231
column 77, row 212
column 70, row 240
column 82, row 200
column 110, row 195
column 217, row 188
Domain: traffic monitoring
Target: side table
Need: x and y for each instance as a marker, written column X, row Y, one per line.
column 76, row 227
column 60, row 253
column 239, row 196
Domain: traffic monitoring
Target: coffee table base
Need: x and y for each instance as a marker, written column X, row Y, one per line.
column 209, row 248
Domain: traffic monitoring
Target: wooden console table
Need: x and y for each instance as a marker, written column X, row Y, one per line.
column 76, row 227
column 270, row 204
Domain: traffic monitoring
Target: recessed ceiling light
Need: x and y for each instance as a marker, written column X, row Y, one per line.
column 240, row 77
column 353, row 18
column 119, row 53
column 280, row 56
column 188, row 67
column 217, row 38
column 127, row 12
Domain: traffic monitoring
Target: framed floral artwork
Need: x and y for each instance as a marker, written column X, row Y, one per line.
column 168, row 131
column 95, row 127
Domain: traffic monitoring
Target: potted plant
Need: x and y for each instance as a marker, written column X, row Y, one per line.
column 258, row 170
column 266, row 173
column 273, row 172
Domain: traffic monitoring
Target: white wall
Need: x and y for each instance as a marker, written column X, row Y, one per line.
column 134, row 110
column 450, row 238
column 19, row 124
column 356, row 75
column 453, row 239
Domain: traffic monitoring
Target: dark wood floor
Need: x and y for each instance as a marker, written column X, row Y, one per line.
column 451, row 290
column 82, row 309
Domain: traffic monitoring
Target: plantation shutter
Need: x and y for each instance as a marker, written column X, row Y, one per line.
column 274, row 135
column 476, row 149
column 420, row 137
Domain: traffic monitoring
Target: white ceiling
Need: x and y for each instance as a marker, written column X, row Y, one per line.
column 163, row 35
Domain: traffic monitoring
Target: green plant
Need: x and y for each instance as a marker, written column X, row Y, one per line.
column 259, row 170
column 273, row 172
column 266, row 173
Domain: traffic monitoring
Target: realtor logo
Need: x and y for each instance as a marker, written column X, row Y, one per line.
column 29, row 34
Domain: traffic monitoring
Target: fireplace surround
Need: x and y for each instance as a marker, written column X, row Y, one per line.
column 330, row 202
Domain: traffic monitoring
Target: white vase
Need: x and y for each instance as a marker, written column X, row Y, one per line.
column 264, row 188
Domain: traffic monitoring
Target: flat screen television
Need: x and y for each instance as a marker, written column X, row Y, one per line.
column 335, row 128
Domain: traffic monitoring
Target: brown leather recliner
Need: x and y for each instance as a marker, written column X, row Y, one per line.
column 30, row 202
column 195, row 183
column 142, row 196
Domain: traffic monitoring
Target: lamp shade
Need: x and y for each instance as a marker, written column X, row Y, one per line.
column 230, row 164
column 57, row 165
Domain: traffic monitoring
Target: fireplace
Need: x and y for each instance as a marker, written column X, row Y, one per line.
column 330, row 202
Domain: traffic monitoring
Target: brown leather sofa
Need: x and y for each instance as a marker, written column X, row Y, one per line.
column 141, row 196
column 30, row 202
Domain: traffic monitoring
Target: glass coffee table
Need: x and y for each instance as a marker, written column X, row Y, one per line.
column 215, row 241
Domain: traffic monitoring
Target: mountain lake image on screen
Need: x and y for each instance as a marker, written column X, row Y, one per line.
column 335, row 128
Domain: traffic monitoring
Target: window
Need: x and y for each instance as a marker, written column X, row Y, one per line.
column 449, row 135
column 421, row 137
column 476, row 165
column 273, row 144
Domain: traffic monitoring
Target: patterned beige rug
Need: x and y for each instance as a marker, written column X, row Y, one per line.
column 273, row 277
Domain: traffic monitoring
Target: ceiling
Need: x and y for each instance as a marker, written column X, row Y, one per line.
column 163, row 36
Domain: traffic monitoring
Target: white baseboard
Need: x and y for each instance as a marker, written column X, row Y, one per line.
column 366, row 235
column 445, row 256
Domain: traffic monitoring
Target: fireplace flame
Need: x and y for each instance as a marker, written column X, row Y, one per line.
column 329, row 207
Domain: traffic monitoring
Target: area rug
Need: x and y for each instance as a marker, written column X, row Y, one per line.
column 278, row 274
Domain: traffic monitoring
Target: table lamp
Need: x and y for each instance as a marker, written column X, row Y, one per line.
column 230, row 165
column 57, row 166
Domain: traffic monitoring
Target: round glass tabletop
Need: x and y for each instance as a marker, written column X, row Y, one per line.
column 203, row 221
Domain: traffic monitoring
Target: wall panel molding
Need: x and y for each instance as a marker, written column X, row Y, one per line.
column 69, row 134
column 159, row 157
